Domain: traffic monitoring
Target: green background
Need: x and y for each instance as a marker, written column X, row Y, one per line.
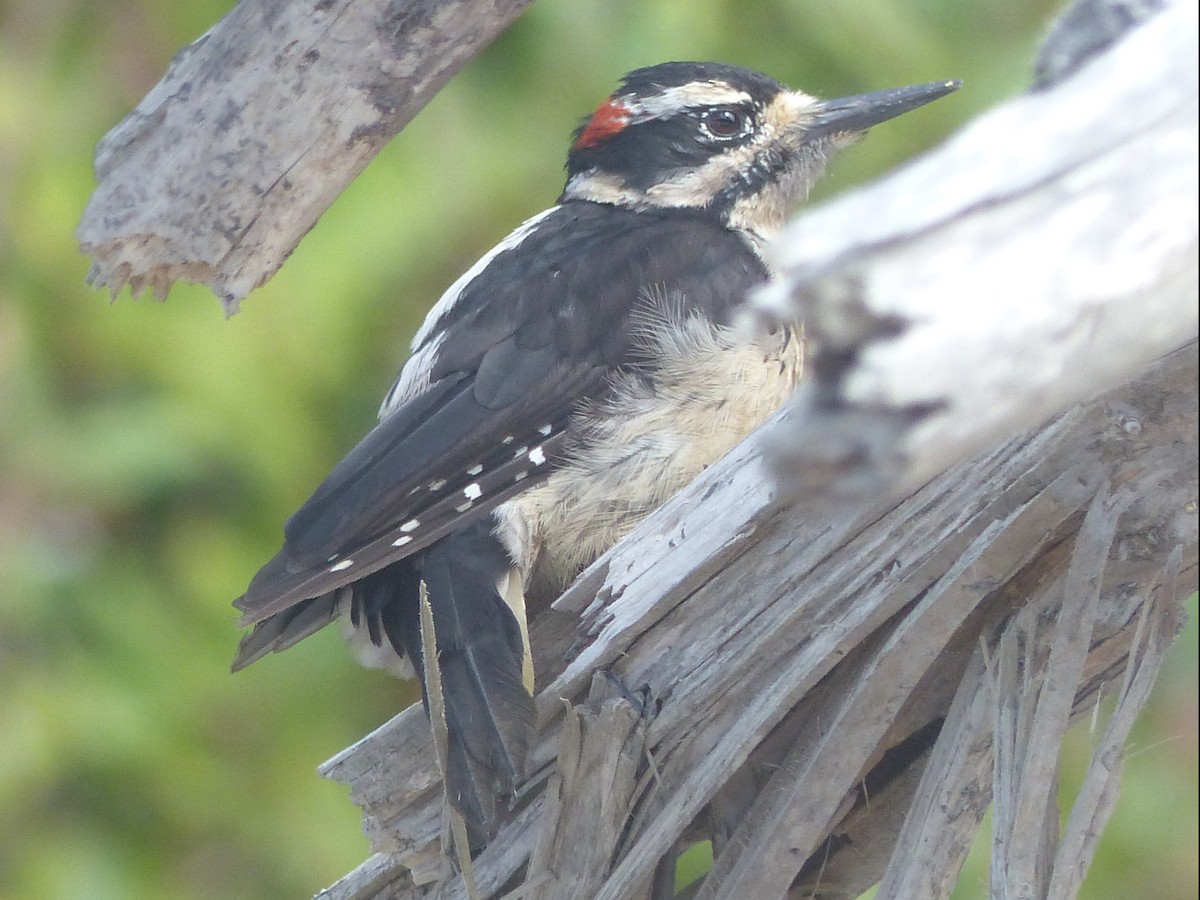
column 149, row 452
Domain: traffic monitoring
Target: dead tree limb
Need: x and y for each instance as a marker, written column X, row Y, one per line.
column 1046, row 253
column 258, row 126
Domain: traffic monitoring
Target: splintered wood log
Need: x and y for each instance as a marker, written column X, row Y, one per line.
column 818, row 651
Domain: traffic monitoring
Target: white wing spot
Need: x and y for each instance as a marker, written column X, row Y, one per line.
column 401, row 541
column 537, row 457
column 410, row 525
column 545, row 430
column 520, row 476
column 508, row 440
column 475, row 470
column 473, row 491
column 342, row 566
column 437, row 485
column 521, row 451
column 462, row 508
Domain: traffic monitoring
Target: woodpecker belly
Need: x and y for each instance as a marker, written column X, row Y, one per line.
column 711, row 385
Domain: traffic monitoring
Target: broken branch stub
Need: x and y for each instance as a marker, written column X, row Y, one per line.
column 258, row 126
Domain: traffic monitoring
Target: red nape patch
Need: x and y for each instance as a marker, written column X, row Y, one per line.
column 606, row 121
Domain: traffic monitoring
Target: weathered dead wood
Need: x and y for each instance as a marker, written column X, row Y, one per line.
column 256, row 128
column 729, row 672
column 1158, row 626
column 942, row 817
column 1032, row 712
column 1051, row 254
column 600, row 774
column 847, row 745
column 956, row 786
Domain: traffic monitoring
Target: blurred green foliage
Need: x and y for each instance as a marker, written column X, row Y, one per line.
column 149, row 453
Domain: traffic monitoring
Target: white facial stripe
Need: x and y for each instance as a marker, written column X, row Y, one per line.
column 699, row 186
column 602, row 188
column 686, row 187
column 673, row 99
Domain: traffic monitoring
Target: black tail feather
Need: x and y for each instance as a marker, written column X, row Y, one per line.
column 481, row 655
column 481, row 658
column 285, row 629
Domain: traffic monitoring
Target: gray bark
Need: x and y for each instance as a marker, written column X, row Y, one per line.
column 258, row 126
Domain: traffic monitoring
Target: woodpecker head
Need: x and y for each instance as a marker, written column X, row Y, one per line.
column 720, row 138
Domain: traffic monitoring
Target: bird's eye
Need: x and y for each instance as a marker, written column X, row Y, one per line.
column 723, row 122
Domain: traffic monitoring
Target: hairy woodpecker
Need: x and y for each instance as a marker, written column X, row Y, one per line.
column 566, row 385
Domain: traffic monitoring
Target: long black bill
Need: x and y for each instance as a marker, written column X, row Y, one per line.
column 861, row 111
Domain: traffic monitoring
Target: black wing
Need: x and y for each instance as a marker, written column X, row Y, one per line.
column 501, row 368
